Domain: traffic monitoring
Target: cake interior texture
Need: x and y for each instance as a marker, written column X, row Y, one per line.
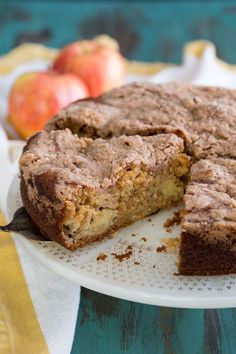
column 98, row 186
column 177, row 123
column 137, row 193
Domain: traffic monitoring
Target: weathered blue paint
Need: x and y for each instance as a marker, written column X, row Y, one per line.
column 148, row 30
column 108, row 325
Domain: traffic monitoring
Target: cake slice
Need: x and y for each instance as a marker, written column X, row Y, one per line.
column 208, row 241
column 77, row 190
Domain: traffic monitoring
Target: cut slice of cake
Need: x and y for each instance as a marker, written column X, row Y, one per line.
column 208, row 241
column 77, row 190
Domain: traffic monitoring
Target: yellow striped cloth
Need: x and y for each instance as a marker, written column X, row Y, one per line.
column 20, row 332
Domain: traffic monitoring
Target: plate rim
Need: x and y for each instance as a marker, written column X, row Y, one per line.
column 120, row 292
column 117, row 291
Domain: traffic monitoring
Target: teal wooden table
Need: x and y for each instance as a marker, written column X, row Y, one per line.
column 146, row 31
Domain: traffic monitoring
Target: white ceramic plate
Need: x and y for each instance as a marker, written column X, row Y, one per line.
column 142, row 282
column 152, row 281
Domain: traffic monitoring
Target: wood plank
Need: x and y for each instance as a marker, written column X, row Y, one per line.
column 109, row 325
column 142, row 28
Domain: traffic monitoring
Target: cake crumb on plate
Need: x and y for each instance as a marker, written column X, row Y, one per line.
column 101, row 257
column 175, row 220
column 128, row 253
column 171, row 244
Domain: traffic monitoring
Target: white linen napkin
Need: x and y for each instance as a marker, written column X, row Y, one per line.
column 55, row 299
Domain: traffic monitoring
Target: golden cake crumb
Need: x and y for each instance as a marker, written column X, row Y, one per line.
column 101, row 257
column 122, row 256
column 161, row 249
column 175, row 220
column 171, row 244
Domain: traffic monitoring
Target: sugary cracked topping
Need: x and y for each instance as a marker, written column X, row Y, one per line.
column 69, row 161
column 146, row 108
column 205, row 117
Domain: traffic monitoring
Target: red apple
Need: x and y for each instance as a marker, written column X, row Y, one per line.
column 35, row 97
column 101, row 67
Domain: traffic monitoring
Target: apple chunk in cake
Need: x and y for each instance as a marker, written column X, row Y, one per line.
column 77, row 190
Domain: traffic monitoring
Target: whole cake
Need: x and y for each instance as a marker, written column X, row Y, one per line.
column 103, row 163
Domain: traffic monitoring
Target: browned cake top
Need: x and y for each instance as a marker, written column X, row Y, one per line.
column 67, row 161
column 210, row 199
column 56, row 162
column 146, row 108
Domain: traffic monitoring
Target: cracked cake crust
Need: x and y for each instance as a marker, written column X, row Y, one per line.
column 146, row 108
column 205, row 118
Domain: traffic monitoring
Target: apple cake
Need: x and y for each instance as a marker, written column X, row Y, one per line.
column 90, row 188
column 167, row 127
